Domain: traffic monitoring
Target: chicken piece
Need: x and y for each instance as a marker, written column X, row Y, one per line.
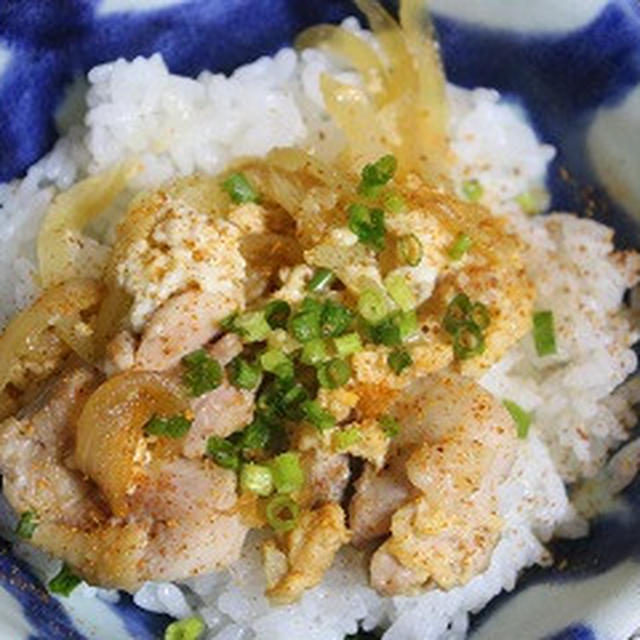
column 181, row 325
column 220, row 412
column 226, row 348
column 182, row 524
column 326, row 477
column 459, row 443
column 307, row 552
column 377, row 496
column 47, row 354
column 34, row 447
column 194, row 530
column 179, row 516
column 120, row 353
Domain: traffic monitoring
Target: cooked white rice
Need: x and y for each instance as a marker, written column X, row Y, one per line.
column 178, row 125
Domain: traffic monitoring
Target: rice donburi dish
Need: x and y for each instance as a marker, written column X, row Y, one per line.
column 301, row 351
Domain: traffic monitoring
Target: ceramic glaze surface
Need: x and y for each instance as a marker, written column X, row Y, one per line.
column 573, row 65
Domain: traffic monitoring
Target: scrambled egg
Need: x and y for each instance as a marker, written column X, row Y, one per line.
column 186, row 249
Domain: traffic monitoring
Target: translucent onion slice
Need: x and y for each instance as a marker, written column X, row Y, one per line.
column 348, row 46
column 58, row 303
column 402, row 76
column 358, row 119
column 61, row 234
column 286, row 175
column 268, row 252
column 110, row 443
column 406, row 114
column 307, row 189
column 432, row 114
column 111, row 316
column 418, row 28
column 78, row 335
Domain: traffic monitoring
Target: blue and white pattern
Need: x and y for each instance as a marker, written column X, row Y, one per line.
column 573, row 64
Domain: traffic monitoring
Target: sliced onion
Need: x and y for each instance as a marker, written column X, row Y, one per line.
column 406, row 113
column 58, row 303
column 61, row 233
column 358, row 119
column 402, row 70
column 78, row 335
column 111, row 316
column 356, row 51
column 431, row 104
column 109, row 435
column 307, row 189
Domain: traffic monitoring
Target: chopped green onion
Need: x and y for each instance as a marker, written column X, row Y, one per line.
column 472, row 190
column 173, row 427
column 277, row 363
column 528, row 203
column 372, row 305
column 185, row 629
column 282, row 513
column 277, row 313
column 281, row 339
column 305, row 325
column 64, row 582
column 202, row 373
column 252, row 326
column 293, row 397
column 461, row 245
column 223, row 452
column 317, row 416
column 321, row 279
column 240, row 189
column 287, row 472
column 27, row 524
column 347, row 438
column 398, row 360
column 457, row 313
column 314, row 352
column 347, row 344
column 521, row 417
column 407, row 324
column 243, row 374
column 386, row 332
column 376, row 174
column 544, row 334
column 227, row 322
column 466, row 321
column 394, row 203
column 311, row 304
column 479, row 314
column 256, row 478
column 410, row 249
column 400, row 291
column 334, row 373
column 390, row 425
column 368, row 225
column 335, row 319
column 255, row 437
column 468, row 341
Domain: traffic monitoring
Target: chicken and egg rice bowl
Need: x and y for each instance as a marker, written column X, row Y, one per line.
column 356, row 357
